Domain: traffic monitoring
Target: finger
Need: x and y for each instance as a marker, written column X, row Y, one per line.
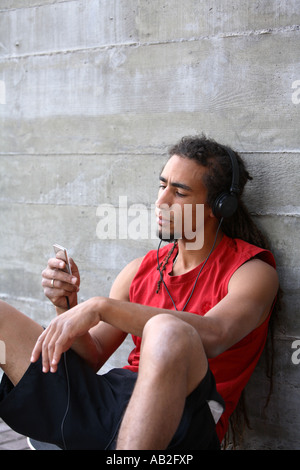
column 58, row 288
column 49, row 275
column 74, row 268
column 47, row 360
column 56, row 263
column 44, row 342
column 62, row 343
column 54, row 273
column 65, row 266
column 48, row 347
column 37, row 350
column 44, row 347
column 56, row 354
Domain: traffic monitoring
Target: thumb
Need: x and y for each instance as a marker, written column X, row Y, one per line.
column 74, row 268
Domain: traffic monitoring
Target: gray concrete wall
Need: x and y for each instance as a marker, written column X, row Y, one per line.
column 93, row 92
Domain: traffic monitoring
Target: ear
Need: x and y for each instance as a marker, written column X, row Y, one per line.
column 210, row 212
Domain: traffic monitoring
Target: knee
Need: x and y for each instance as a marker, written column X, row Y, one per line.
column 169, row 339
column 6, row 312
column 3, row 309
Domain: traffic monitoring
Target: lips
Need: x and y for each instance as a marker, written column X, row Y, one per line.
column 163, row 221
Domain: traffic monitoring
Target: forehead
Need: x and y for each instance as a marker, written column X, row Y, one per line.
column 185, row 171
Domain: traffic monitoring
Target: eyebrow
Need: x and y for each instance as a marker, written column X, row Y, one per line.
column 175, row 184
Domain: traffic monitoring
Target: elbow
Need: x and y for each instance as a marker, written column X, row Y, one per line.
column 215, row 344
column 214, row 335
column 213, row 350
column 94, row 361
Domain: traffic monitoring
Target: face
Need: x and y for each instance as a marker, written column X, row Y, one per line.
column 181, row 207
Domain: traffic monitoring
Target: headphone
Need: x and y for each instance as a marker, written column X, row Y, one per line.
column 226, row 203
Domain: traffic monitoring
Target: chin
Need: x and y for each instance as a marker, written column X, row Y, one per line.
column 166, row 237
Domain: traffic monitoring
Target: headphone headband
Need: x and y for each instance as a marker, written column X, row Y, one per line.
column 234, row 188
column 226, row 203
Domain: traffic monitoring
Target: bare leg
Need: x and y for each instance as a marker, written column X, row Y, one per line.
column 173, row 363
column 19, row 334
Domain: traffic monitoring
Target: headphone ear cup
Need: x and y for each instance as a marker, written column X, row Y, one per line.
column 225, row 205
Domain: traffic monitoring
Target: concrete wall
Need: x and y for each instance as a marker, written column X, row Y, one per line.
column 92, row 93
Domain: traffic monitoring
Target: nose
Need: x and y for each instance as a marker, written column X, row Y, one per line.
column 163, row 198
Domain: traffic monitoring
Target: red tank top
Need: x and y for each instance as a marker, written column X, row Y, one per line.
column 233, row 368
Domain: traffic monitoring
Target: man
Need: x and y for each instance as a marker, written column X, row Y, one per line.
column 205, row 309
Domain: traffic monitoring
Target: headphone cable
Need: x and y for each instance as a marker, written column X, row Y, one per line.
column 68, row 393
column 200, row 271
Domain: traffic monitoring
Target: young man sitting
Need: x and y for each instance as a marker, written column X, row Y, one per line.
column 198, row 316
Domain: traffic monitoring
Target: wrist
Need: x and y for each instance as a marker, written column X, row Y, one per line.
column 60, row 310
column 98, row 306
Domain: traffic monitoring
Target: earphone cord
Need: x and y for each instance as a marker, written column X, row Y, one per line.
column 68, row 394
column 194, row 286
column 161, row 275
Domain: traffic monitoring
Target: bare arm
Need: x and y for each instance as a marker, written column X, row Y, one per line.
column 97, row 343
column 251, row 292
column 108, row 337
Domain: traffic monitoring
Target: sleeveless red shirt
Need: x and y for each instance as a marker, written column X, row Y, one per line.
column 233, row 368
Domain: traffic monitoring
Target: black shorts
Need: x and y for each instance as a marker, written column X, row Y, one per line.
column 75, row 408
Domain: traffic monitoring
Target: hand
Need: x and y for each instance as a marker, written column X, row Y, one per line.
column 58, row 284
column 63, row 330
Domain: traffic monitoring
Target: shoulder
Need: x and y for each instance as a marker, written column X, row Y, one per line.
column 255, row 271
column 251, row 261
column 236, row 252
column 245, row 267
column 255, row 281
column 121, row 285
column 131, row 269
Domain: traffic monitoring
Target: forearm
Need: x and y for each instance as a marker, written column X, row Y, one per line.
column 75, row 329
column 242, row 310
column 126, row 316
column 131, row 318
column 86, row 347
column 82, row 321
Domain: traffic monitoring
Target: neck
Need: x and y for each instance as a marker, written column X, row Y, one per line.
column 188, row 259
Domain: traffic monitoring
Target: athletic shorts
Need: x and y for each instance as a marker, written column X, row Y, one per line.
column 75, row 408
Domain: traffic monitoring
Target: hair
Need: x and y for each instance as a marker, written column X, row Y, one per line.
column 218, row 178
column 214, row 157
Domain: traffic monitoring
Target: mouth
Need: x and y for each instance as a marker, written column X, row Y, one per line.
column 163, row 221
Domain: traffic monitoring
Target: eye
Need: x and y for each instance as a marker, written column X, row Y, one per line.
column 180, row 194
